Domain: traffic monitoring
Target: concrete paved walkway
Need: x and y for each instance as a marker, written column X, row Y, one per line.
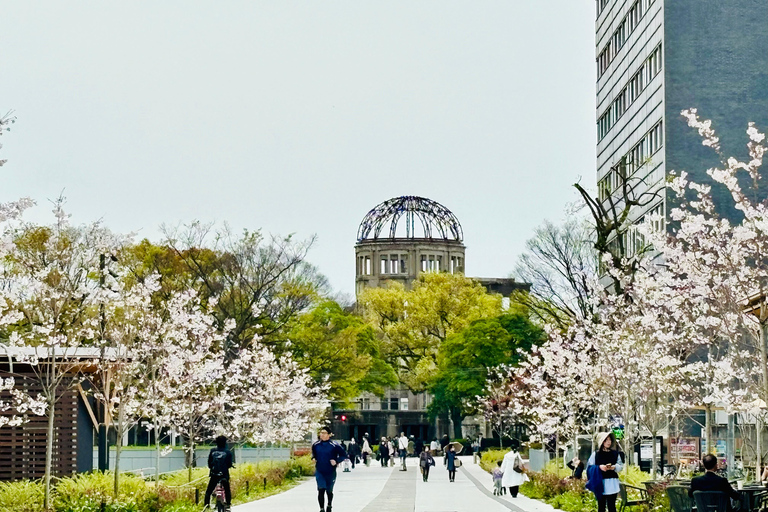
column 377, row 489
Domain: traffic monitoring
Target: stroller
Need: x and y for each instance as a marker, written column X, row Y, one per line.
column 346, row 465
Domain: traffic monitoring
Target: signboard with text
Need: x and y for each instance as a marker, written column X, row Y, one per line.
column 685, row 448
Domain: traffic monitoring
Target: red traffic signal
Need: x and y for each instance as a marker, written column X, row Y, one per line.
column 343, row 417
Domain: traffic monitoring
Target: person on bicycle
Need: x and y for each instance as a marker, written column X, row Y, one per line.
column 220, row 459
column 327, row 454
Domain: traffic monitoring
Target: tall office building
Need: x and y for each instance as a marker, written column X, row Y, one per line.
column 656, row 58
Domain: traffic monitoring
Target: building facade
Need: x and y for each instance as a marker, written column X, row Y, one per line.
column 656, row 58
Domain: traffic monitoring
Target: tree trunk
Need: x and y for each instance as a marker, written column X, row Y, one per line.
column 49, row 450
column 758, row 461
column 157, row 456
column 119, row 444
column 708, row 427
column 457, row 417
column 764, row 368
column 190, row 449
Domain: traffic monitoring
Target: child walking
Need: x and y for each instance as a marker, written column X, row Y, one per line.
column 498, row 490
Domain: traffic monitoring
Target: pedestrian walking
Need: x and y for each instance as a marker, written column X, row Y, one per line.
column 403, row 445
column 392, row 451
column 444, row 442
column 603, row 470
column 411, row 447
column 496, row 474
column 449, row 459
column 366, row 450
column 426, row 461
column 327, row 454
column 354, row 452
column 434, row 446
column 384, row 452
column 512, row 467
column 418, row 446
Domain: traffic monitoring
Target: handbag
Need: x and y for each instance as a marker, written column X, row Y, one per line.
column 457, row 462
column 517, row 467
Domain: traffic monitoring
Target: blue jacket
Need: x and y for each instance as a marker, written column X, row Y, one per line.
column 595, row 481
column 323, row 452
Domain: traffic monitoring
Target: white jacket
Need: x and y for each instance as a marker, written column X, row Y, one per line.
column 403, row 442
column 511, row 477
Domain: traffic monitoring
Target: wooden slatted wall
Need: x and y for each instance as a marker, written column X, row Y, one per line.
column 22, row 448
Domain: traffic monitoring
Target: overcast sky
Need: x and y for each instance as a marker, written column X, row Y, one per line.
column 299, row 117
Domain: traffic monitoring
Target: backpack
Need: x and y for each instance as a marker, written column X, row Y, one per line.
column 219, row 462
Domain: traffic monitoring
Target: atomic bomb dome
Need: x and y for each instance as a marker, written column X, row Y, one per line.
column 404, row 236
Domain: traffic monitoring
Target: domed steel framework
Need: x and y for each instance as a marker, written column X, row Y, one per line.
column 437, row 221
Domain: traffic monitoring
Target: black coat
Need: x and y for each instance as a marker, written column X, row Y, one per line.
column 709, row 481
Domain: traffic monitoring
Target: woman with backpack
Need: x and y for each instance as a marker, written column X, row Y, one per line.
column 512, row 467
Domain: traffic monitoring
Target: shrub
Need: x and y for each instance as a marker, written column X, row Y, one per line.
column 303, row 466
column 490, row 458
column 87, row 491
column 22, row 496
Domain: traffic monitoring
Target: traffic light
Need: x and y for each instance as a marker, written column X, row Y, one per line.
column 343, row 417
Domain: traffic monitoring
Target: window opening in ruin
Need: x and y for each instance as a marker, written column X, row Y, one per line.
column 403, row 263
column 367, row 267
column 424, row 263
column 394, row 264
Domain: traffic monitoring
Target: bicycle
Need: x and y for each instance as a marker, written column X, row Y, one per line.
column 221, row 497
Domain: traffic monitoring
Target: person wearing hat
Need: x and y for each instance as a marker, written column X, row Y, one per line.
column 512, row 468
column 327, row 454
column 603, row 470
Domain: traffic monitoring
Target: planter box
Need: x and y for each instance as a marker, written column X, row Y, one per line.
column 537, row 459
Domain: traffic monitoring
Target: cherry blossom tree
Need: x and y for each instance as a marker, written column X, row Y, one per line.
column 50, row 283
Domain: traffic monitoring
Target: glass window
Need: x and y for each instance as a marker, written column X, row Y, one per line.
column 403, row 401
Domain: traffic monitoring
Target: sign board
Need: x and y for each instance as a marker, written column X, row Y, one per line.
column 684, row 448
column 646, row 449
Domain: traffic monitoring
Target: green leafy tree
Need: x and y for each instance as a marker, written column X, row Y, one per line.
column 261, row 283
column 412, row 324
column 466, row 358
column 339, row 349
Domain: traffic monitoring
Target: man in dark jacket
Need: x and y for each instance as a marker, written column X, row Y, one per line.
column 710, row 481
column 327, row 454
column 220, row 459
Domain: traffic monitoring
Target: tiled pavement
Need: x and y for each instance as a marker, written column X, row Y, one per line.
column 377, row 489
